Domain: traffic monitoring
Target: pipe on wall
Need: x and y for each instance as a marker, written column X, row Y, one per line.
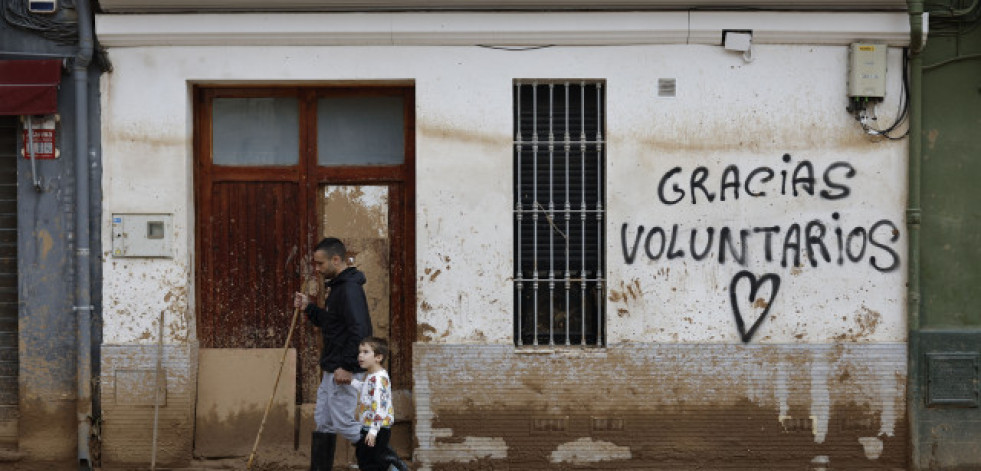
column 83, row 297
column 913, row 220
column 915, row 131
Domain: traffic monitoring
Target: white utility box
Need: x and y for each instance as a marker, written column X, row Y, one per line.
column 142, row 235
column 867, row 70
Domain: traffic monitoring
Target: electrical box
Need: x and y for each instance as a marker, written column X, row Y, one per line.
column 142, row 235
column 867, row 70
column 42, row 6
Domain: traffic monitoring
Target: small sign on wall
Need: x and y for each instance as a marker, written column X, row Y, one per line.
column 40, row 133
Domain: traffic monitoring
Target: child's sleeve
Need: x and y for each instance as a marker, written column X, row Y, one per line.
column 378, row 406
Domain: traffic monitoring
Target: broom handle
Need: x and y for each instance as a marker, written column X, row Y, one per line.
column 156, row 394
column 286, row 349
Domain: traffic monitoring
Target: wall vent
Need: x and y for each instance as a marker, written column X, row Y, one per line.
column 666, row 87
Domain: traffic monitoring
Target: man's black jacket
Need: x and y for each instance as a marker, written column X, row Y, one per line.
column 344, row 322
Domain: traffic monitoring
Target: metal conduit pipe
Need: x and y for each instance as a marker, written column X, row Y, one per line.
column 913, row 220
column 83, row 298
column 915, row 131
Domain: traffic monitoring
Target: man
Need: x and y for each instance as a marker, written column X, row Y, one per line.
column 343, row 323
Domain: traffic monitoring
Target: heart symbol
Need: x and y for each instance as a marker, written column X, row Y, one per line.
column 754, row 286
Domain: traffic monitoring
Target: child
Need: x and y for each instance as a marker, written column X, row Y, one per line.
column 375, row 411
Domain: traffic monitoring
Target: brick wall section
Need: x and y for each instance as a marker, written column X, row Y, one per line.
column 649, row 406
column 128, row 374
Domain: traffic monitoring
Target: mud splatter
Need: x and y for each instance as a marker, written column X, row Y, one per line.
column 425, row 332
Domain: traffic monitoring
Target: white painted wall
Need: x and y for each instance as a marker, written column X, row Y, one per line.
column 790, row 99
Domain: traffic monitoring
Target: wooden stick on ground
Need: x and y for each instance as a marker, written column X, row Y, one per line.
column 156, row 393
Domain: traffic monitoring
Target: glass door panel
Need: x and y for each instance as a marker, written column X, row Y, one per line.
column 358, row 215
column 360, row 130
column 255, row 131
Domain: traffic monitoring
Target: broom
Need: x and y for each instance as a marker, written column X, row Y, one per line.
column 296, row 313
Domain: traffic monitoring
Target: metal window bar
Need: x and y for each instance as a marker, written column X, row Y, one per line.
column 599, row 206
column 551, row 217
column 534, row 206
column 568, row 215
column 582, row 215
column 582, row 238
column 518, row 280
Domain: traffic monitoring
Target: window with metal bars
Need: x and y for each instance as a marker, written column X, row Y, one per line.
column 559, row 195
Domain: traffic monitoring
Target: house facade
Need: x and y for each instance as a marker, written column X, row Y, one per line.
column 736, row 240
column 647, row 235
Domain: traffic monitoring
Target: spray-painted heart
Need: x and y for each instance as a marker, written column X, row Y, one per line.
column 754, row 286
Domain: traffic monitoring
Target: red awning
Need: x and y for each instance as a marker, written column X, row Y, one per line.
column 29, row 87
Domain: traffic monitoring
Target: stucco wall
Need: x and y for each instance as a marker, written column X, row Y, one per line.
column 788, row 102
column 661, row 406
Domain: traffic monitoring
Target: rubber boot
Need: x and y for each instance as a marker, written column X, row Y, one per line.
column 322, row 447
column 392, row 459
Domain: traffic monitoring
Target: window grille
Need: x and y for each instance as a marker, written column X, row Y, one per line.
column 558, row 212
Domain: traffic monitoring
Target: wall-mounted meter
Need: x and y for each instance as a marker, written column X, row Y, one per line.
column 142, row 235
column 42, row 6
column 867, row 70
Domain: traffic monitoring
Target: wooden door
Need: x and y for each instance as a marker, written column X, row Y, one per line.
column 273, row 166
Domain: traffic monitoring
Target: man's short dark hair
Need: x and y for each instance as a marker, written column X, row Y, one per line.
column 332, row 246
column 378, row 345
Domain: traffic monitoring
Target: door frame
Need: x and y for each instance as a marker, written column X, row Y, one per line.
column 310, row 177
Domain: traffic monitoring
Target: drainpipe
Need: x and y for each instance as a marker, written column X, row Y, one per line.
column 913, row 224
column 915, row 151
column 83, row 298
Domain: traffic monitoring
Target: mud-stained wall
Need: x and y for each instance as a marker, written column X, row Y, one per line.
column 764, row 166
column 47, row 352
column 46, row 420
column 755, row 308
column 141, row 290
column 137, row 288
column 147, row 170
column 815, row 375
column 129, row 391
column 650, row 406
column 817, row 262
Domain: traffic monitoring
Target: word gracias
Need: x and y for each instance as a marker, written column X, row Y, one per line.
column 758, row 181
